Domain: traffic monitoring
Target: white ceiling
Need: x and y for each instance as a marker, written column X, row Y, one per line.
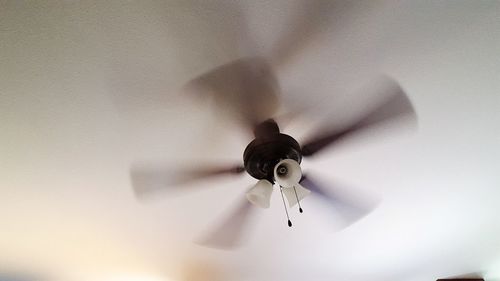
column 87, row 88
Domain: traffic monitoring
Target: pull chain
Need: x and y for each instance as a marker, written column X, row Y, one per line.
column 296, row 196
column 284, row 204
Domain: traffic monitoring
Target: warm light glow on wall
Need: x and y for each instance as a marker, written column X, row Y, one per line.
column 133, row 277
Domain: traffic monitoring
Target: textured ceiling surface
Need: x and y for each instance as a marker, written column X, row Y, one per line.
column 89, row 87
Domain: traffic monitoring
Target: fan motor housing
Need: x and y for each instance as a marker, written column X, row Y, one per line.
column 263, row 153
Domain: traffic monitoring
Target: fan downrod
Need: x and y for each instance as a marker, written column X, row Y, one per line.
column 267, row 149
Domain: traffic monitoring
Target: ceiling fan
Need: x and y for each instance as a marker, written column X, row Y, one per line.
column 248, row 89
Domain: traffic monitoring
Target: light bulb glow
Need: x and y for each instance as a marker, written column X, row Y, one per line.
column 260, row 194
column 287, row 173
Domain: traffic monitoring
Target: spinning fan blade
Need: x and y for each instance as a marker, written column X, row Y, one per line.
column 230, row 232
column 146, row 180
column 351, row 210
column 393, row 108
column 310, row 20
column 247, row 89
column 171, row 42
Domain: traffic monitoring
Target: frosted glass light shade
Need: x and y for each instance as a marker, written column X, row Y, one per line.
column 287, row 173
column 290, row 194
column 260, row 194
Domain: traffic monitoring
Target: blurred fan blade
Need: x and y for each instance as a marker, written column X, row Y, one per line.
column 391, row 109
column 146, row 179
column 246, row 89
column 158, row 47
column 229, row 233
column 351, row 209
column 310, row 20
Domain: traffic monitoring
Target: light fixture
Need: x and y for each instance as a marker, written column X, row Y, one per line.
column 260, row 194
column 295, row 194
column 287, row 173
